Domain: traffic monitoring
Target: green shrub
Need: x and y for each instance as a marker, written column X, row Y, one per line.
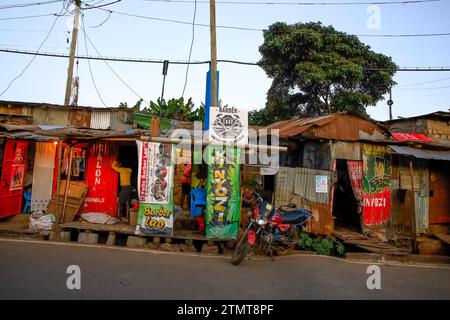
column 321, row 245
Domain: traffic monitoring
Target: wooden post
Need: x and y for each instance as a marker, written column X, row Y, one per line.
column 73, row 46
column 155, row 127
column 212, row 29
column 413, row 221
column 66, row 191
column 58, row 179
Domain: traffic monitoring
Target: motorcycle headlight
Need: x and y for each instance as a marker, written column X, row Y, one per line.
column 261, row 220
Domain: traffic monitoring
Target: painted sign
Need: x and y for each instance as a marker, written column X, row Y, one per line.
column 12, row 177
column 155, row 172
column 376, row 184
column 155, row 180
column 101, row 180
column 228, row 124
column 223, row 198
column 155, row 219
column 321, row 184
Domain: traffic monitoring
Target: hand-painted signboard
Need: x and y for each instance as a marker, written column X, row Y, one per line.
column 155, row 179
column 223, row 198
column 376, row 184
column 101, row 179
column 228, row 124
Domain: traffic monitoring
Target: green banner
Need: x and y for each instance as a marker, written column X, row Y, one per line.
column 155, row 219
column 223, row 196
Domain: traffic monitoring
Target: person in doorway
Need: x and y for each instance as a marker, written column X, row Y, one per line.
column 125, row 188
column 186, row 185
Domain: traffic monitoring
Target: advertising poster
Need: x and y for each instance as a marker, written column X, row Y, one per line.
column 155, row 181
column 228, row 124
column 321, row 184
column 101, row 179
column 223, row 197
column 155, row 172
column 17, row 176
column 376, row 184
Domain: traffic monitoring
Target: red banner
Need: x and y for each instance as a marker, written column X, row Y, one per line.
column 376, row 207
column 101, row 180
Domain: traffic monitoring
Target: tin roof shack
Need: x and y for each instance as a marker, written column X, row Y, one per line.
column 324, row 168
column 75, row 116
column 428, row 138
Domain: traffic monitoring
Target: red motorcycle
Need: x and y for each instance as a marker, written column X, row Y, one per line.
column 270, row 228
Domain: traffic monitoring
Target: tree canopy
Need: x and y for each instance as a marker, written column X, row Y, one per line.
column 317, row 70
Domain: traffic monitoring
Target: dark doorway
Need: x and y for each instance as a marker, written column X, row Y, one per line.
column 128, row 157
column 345, row 205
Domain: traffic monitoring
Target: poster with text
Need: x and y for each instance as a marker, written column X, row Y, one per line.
column 228, row 124
column 155, row 176
column 376, row 184
column 223, row 197
column 155, row 219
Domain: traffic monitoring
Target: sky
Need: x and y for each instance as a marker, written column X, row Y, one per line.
column 239, row 85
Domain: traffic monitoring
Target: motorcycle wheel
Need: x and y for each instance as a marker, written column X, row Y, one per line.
column 241, row 250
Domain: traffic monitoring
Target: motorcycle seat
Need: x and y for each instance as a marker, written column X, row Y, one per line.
column 298, row 216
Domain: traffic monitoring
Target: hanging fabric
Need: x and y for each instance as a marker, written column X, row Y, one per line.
column 355, row 174
column 44, row 164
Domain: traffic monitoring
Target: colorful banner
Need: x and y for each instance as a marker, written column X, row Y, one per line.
column 228, row 124
column 17, row 176
column 155, row 172
column 223, row 197
column 376, row 184
column 155, row 180
column 155, row 219
column 101, row 180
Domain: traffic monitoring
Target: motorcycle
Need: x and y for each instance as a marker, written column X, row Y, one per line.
column 271, row 228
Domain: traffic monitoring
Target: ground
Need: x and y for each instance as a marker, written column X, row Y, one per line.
column 37, row 270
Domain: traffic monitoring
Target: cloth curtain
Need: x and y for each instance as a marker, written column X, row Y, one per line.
column 44, row 165
column 355, row 174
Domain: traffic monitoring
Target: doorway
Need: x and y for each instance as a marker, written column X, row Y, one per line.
column 345, row 205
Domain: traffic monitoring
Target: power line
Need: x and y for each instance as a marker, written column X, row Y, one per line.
column 142, row 60
column 34, row 16
column 32, row 59
column 192, row 45
column 110, row 68
column 420, row 83
column 300, row 3
column 431, row 88
column 27, row 30
column 89, row 62
column 261, row 30
column 23, row 5
column 89, row 7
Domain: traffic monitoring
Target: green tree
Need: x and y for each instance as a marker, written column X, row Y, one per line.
column 177, row 109
column 317, row 70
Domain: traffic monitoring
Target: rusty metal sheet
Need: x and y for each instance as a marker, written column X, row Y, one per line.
column 80, row 118
column 50, row 116
column 346, row 150
column 305, row 184
column 439, row 185
column 322, row 220
column 421, row 153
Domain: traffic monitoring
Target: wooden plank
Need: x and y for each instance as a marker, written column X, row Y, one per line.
column 443, row 237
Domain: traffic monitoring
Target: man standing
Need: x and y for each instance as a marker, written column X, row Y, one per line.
column 186, row 185
column 125, row 187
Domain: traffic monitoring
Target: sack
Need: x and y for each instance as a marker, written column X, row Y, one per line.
column 98, row 217
column 41, row 221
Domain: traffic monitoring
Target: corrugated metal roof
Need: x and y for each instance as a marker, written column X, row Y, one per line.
column 401, row 136
column 100, row 120
column 422, row 154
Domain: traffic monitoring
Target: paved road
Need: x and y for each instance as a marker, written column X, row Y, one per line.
column 30, row 270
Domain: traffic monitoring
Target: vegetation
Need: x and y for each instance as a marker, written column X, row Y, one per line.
column 321, row 245
column 176, row 109
column 317, row 70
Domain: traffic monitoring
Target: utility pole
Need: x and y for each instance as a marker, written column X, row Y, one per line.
column 390, row 103
column 73, row 46
column 212, row 27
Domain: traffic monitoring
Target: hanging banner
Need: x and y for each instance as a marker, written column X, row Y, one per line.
column 376, row 184
column 101, row 179
column 228, row 124
column 155, row 172
column 155, row 180
column 223, row 197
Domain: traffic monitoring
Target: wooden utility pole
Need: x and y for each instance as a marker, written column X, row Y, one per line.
column 390, row 103
column 73, row 46
column 212, row 15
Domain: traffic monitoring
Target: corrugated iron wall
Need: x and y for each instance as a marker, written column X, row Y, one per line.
column 118, row 121
column 100, row 120
column 439, row 183
column 80, row 118
column 298, row 185
column 346, row 150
